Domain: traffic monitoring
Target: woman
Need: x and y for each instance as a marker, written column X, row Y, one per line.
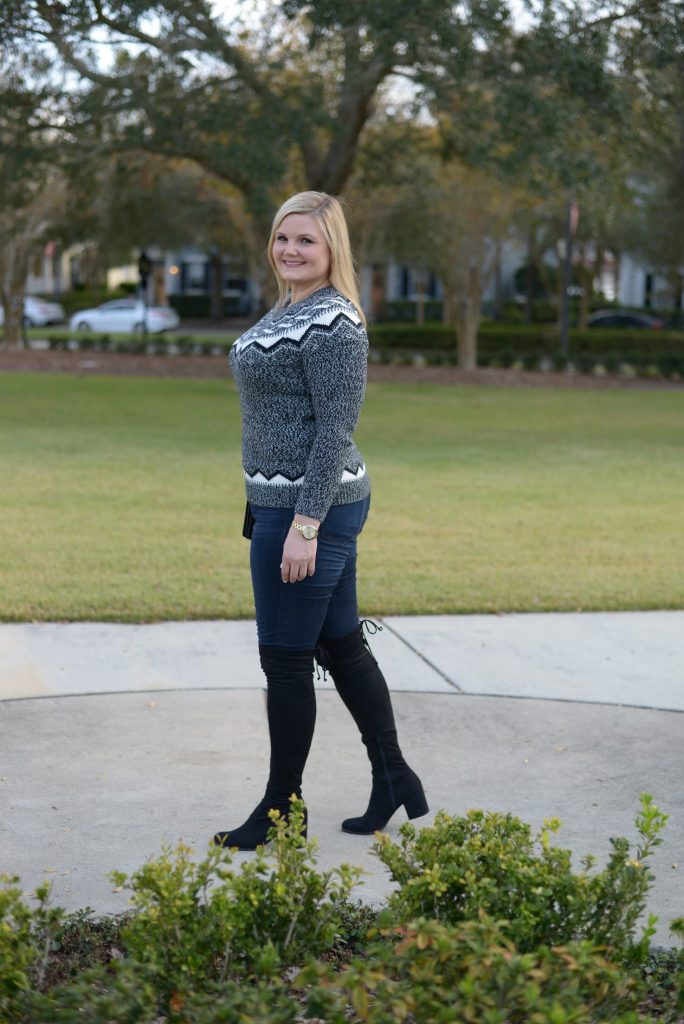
column 301, row 377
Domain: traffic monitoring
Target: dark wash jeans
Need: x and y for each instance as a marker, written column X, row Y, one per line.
column 299, row 615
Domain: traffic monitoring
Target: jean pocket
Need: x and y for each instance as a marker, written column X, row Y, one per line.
column 345, row 522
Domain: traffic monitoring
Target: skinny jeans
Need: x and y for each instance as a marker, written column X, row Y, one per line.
column 300, row 616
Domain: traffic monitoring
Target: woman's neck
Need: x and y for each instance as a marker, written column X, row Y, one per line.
column 302, row 292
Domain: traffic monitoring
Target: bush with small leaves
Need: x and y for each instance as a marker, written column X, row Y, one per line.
column 17, row 949
column 487, row 861
column 123, row 993
column 26, row 936
column 200, row 922
column 230, row 1002
column 471, row 973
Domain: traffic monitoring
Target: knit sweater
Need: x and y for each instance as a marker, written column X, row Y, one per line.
column 301, row 378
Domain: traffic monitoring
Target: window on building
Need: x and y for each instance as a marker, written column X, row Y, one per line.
column 194, row 277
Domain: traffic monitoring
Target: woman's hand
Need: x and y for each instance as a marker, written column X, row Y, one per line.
column 299, row 554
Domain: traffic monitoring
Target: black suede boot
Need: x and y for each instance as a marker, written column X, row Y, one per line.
column 362, row 687
column 291, row 710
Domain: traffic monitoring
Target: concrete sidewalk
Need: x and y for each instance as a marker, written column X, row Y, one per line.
column 115, row 739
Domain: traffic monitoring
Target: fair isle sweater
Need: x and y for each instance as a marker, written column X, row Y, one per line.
column 301, row 377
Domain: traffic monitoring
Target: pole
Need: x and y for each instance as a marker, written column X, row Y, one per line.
column 570, row 230
column 144, row 268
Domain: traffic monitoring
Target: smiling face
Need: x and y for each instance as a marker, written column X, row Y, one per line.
column 301, row 254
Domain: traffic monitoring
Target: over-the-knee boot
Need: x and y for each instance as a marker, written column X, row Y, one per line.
column 291, row 712
column 362, row 687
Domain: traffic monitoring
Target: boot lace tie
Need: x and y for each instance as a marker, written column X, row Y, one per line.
column 371, row 628
column 322, row 660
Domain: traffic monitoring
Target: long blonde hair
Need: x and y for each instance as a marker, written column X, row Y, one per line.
column 329, row 213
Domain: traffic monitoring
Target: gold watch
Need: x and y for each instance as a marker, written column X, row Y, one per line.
column 307, row 531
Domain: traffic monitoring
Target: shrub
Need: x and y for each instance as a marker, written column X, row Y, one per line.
column 121, row 994
column 662, row 979
column 411, row 336
column 488, row 927
column 471, row 972
column 87, row 298
column 198, row 307
column 405, row 310
column 26, row 937
column 198, row 922
column 506, row 345
column 17, row 949
column 490, row 862
column 78, row 942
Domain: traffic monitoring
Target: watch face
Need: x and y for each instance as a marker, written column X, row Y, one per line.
column 309, row 531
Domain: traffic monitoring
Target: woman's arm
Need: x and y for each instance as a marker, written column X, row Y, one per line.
column 336, row 367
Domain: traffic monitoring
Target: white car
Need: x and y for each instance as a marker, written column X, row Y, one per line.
column 126, row 316
column 38, row 312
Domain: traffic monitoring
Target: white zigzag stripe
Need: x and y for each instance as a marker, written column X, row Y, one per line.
column 278, row 479
column 294, row 327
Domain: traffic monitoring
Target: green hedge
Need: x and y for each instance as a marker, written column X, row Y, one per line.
column 154, row 344
column 404, row 311
column 89, row 298
column 488, row 924
column 643, row 353
column 198, row 307
column 529, row 346
column 425, row 338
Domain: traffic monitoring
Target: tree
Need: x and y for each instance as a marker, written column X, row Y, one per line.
column 553, row 112
column 135, row 200
column 32, row 186
column 439, row 215
column 266, row 109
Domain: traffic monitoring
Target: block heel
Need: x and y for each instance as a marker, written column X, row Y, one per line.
column 416, row 806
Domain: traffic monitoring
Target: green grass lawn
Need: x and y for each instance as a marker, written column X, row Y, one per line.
column 122, row 499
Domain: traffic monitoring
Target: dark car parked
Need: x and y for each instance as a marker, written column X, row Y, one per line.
column 624, row 318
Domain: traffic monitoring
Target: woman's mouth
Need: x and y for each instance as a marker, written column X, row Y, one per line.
column 293, row 263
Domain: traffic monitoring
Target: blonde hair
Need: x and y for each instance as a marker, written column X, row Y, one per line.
column 329, row 213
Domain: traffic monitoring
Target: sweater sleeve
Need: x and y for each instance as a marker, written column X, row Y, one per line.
column 336, row 366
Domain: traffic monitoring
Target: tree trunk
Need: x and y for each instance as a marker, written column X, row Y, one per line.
column 264, row 288
column 13, row 301
column 13, row 273
column 586, row 276
column 469, row 319
column 529, row 276
column 498, row 281
column 617, row 262
column 467, row 341
column 675, row 282
column 598, row 268
column 420, row 301
column 215, row 287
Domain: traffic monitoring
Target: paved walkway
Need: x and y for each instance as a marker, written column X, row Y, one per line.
column 115, row 739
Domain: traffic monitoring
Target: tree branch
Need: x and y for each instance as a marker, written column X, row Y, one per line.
column 55, row 36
